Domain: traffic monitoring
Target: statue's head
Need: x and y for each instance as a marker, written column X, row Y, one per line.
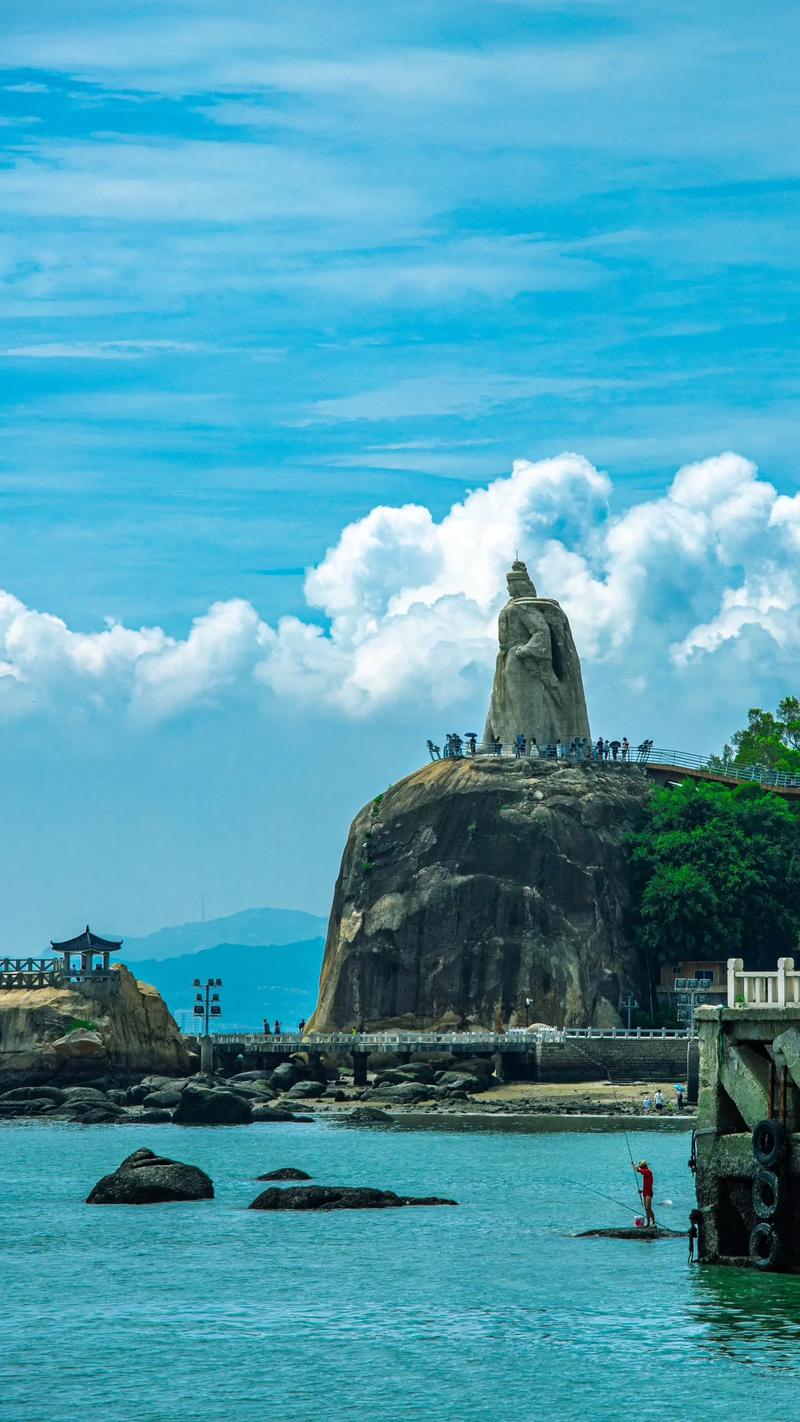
column 519, row 583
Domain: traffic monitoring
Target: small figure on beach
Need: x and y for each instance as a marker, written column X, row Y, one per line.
column 679, row 1095
column 658, row 1100
column 647, row 1105
column 646, row 1192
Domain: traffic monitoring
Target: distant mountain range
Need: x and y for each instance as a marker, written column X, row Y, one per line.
column 277, row 980
column 258, row 928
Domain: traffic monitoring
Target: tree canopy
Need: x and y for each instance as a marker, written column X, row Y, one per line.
column 717, row 875
column 767, row 739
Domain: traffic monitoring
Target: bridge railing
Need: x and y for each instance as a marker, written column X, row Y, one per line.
column 715, row 765
column 516, row 1038
column 778, row 989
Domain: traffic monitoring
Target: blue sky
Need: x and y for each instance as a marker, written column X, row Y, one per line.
column 266, row 268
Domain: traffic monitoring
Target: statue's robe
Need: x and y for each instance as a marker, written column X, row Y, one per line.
column 538, row 687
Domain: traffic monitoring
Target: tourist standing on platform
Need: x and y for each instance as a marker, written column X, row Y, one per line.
column 533, row 749
column 626, row 748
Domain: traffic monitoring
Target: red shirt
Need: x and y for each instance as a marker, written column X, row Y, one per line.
column 647, row 1180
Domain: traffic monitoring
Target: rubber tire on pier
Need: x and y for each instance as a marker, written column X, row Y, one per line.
column 767, row 1193
column 769, row 1143
column 766, row 1248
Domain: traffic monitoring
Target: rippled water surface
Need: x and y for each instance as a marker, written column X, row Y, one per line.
column 485, row 1313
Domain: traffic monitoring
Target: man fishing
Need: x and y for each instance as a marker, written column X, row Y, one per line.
column 646, row 1192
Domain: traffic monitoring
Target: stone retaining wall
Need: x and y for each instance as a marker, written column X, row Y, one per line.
column 621, row 1058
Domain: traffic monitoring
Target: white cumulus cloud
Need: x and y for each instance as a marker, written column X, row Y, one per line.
column 404, row 608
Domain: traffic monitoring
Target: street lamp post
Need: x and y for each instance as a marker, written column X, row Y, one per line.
column 629, row 1003
column 206, row 1006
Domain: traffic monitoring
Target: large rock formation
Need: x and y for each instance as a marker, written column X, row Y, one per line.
column 538, row 687
column 475, row 884
column 116, row 1022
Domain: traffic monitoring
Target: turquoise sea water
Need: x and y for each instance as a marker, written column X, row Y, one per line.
column 485, row 1313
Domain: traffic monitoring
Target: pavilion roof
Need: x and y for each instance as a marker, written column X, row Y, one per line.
column 85, row 941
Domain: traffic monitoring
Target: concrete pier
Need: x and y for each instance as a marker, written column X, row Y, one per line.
column 747, row 1143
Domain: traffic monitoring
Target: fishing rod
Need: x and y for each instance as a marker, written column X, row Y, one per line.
column 613, row 1086
column 610, row 1198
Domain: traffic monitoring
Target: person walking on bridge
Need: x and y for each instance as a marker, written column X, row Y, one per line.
column 646, row 1191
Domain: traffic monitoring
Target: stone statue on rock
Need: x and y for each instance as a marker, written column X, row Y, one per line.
column 538, row 688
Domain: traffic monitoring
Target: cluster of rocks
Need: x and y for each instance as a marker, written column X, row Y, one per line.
column 199, row 1100
column 419, row 1082
column 145, row 1178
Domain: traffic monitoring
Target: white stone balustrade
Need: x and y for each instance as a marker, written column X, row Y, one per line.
column 778, row 989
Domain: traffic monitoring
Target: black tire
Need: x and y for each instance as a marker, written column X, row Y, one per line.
column 769, row 1143
column 766, row 1247
column 767, row 1193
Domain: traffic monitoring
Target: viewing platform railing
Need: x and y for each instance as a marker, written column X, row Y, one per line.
column 647, row 754
column 778, row 989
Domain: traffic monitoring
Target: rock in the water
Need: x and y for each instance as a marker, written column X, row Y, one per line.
column 366, row 1116
column 211, row 1106
column 286, row 1173
column 338, row 1197
column 479, row 883
column 148, row 1179
column 142, row 1116
column 30, row 1093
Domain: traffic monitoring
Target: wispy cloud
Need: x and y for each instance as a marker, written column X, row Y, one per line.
column 101, row 350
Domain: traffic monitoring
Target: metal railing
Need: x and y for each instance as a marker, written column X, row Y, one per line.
column 515, row 1039
column 715, row 765
column 778, row 989
column 643, row 755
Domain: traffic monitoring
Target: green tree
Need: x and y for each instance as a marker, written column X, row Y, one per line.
column 767, row 739
column 716, row 874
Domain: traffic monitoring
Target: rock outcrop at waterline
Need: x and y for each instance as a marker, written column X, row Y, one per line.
column 116, row 1022
column 475, row 884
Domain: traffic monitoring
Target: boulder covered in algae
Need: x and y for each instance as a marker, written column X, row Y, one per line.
column 477, row 883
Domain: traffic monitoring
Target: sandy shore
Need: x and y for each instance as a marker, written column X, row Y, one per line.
column 556, row 1102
